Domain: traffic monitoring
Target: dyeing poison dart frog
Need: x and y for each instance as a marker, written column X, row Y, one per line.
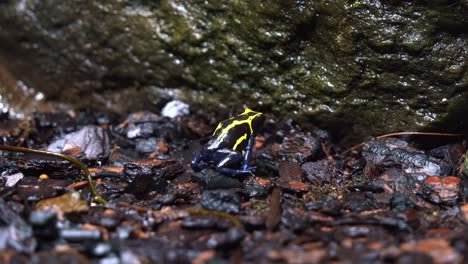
column 230, row 147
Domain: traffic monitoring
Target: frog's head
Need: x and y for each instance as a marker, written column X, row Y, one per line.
column 255, row 118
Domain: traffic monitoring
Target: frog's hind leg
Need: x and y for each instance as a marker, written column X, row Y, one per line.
column 230, row 161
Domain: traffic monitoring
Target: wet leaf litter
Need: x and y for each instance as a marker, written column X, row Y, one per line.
column 390, row 200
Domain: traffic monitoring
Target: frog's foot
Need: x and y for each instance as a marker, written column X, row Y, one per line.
column 245, row 171
column 234, row 172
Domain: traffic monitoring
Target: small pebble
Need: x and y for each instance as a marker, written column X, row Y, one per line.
column 440, row 190
column 175, row 109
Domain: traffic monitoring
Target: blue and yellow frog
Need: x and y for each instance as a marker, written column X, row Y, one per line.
column 230, row 147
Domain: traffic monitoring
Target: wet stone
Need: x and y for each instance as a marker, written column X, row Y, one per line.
column 44, row 224
column 296, row 146
column 227, row 201
column 15, row 233
column 146, row 125
column 413, row 161
column 440, row 190
column 91, row 140
column 13, row 179
column 210, row 179
column 322, row 171
column 147, row 146
column 256, row 187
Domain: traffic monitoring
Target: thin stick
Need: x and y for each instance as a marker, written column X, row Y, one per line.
column 73, row 160
column 399, row 134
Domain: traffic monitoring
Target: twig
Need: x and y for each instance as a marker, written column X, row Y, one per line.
column 399, row 134
column 73, row 160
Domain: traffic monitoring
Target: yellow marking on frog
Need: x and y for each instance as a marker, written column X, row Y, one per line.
column 240, row 122
column 239, row 140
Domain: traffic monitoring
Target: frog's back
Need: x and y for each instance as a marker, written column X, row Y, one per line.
column 235, row 132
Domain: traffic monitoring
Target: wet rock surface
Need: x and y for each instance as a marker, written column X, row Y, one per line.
column 328, row 61
column 381, row 204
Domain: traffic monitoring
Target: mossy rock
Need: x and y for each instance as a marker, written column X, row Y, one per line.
column 357, row 68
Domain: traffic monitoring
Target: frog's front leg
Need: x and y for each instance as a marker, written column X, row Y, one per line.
column 232, row 160
column 197, row 163
column 248, row 154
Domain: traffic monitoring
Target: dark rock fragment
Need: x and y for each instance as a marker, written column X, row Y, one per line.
column 33, row 189
column 290, row 171
column 91, row 140
column 253, row 222
column 328, row 205
column 318, row 172
column 266, row 167
column 274, row 212
column 227, row 201
column 358, row 202
column 145, row 176
column 256, row 187
column 210, row 179
column 229, row 239
column 293, row 219
column 53, row 119
column 291, row 176
column 34, row 165
column 439, row 190
column 401, row 202
column 412, row 161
